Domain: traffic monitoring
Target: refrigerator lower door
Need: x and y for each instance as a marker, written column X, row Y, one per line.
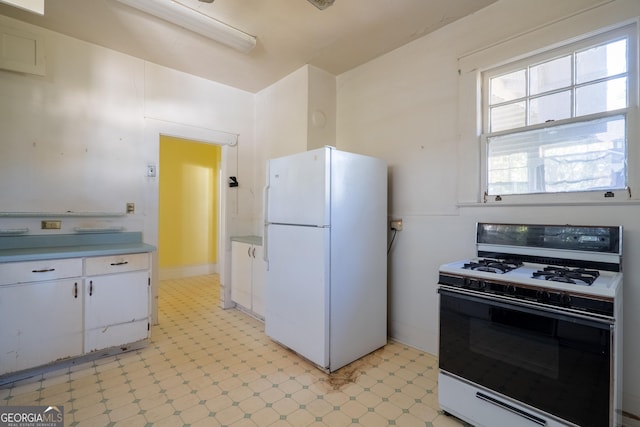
column 297, row 290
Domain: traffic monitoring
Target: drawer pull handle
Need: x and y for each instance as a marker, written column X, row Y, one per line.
column 120, row 263
column 90, row 287
column 44, row 270
column 75, row 290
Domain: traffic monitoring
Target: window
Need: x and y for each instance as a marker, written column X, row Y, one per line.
column 558, row 122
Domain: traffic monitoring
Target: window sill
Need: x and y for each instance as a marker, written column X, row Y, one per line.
column 626, row 202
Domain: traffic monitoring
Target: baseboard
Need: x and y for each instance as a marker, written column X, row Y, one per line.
column 187, row 271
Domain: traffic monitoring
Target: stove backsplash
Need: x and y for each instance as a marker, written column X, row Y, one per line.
column 602, row 239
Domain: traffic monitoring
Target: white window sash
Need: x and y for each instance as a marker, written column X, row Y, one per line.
column 631, row 113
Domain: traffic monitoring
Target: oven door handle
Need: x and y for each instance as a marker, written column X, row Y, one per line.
column 530, row 308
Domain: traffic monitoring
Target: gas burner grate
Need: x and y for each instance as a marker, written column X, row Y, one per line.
column 575, row 276
column 499, row 266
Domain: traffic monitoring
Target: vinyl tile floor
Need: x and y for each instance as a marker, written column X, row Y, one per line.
column 205, row 366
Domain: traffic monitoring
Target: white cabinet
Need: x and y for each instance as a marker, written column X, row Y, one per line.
column 21, row 50
column 40, row 313
column 55, row 309
column 116, row 300
column 258, row 272
column 241, row 274
column 70, row 297
column 247, row 276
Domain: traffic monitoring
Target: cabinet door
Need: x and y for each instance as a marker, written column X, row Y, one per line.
column 241, row 274
column 116, row 309
column 258, row 272
column 40, row 322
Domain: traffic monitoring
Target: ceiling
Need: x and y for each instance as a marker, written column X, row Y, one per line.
column 290, row 33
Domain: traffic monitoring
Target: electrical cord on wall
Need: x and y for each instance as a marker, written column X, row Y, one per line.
column 392, row 239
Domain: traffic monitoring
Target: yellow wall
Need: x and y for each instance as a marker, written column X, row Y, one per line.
column 188, row 204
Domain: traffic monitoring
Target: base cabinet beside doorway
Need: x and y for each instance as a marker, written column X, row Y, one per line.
column 248, row 274
column 53, row 310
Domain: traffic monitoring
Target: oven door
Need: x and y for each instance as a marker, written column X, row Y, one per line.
column 558, row 363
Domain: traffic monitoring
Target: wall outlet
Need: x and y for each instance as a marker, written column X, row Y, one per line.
column 396, row 224
column 131, row 207
column 151, row 171
column 50, row 225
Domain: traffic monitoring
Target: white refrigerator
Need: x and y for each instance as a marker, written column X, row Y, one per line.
column 325, row 241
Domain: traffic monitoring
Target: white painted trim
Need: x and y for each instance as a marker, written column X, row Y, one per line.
column 179, row 130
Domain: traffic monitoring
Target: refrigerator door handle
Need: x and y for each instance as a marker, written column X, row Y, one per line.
column 265, row 230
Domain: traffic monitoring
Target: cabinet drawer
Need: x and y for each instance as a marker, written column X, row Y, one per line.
column 36, row 271
column 116, row 335
column 116, row 264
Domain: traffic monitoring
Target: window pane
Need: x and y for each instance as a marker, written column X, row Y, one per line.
column 508, row 87
column 604, row 96
column 508, row 174
column 508, row 116
column 550, row 107
column 583, row 156
column 601, row 61
column 550, row 75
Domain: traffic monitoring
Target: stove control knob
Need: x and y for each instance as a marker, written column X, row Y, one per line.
column 475, row 284
column 511, row 290
column 543, row 296
column 565, row 299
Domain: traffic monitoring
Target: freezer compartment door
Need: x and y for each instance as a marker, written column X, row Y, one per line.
column 298, row 188
column 297, row 290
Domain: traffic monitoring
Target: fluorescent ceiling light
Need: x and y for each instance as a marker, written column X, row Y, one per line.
column 186, row 17
column 35, row 6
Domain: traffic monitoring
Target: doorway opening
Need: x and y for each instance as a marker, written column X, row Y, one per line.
column 227, row 142
column 188, row 208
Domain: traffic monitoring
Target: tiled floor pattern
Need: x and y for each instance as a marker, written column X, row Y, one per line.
column 206, row 366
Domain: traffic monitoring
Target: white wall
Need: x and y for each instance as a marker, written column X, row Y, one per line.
column 80, row 138
column 280, row 128
column 61, row 141
column 412, row 108
column 321, row 109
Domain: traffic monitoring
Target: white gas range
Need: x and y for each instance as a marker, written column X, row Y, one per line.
column 533, row 326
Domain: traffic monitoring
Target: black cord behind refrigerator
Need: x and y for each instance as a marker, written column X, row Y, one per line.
column 392, row 239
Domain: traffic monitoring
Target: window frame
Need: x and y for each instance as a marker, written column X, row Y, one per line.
column 628, row 31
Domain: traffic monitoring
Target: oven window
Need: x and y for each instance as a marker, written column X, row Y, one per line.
column 535, row 353
column 555, row 363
